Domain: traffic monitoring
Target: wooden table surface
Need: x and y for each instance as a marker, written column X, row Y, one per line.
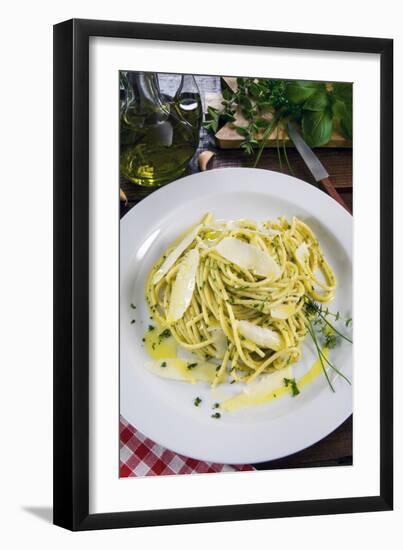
column 336, row 448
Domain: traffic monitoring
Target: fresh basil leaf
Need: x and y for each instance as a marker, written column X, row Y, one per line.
column 338, row 108
column 346, row 125
column 299, row 91
column 317, row 127
column 343, row 113
column 317, row 102
column 343, row 91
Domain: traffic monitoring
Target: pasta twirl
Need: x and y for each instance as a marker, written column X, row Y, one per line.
column 234, row 292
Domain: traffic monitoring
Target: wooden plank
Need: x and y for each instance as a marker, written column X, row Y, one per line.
column 338, row 163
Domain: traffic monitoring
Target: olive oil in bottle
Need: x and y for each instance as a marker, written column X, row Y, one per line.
column 158, row 135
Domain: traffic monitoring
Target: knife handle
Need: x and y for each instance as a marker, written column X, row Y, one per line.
column 330, row 189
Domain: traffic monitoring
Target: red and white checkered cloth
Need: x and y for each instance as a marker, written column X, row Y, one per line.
column 140, row 456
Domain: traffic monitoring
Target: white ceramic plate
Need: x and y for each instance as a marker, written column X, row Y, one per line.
column 163, row 409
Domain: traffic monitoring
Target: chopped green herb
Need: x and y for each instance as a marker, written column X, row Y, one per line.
column 143, row 339
column 132, row 321
column 197, row 401
column 292, row 383
column 163, row 364
column 216, row 415
column 165, row 334
column 216, row 405
column 132, row 306
column 232, row 381
column 150, row 327
column 192, row 366
column 331, row 341
column 311, row 308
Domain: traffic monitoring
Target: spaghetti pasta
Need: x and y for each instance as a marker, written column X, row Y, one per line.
column 234, row 292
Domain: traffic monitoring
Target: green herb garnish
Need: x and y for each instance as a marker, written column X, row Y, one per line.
column 151, row 327
column 163, row 364
column 318, row 324
column 192, row 366
column 132, row 321
column 331, row 340
column 216, row 415
column 290, row 382
column 165, row 334
column 197, row 401
column 320, row 317
column 216, row 405
column 132, row 306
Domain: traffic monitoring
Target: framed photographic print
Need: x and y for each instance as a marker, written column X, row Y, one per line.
column 223, row 274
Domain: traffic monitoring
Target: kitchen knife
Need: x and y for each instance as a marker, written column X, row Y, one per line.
column 315, row 166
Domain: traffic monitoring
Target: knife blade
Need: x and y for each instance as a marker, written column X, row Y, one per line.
column 311, row 160
column 314, row 165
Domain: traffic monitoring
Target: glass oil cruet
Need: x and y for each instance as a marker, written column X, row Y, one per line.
column 159, row 134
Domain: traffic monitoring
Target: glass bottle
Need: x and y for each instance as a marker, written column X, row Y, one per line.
column 158, row 134
column 188, row 102
column 125, row 98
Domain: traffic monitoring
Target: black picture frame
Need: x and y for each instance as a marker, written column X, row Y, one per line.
column 71, row 274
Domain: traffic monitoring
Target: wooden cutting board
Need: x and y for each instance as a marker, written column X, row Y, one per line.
column 228, row 138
